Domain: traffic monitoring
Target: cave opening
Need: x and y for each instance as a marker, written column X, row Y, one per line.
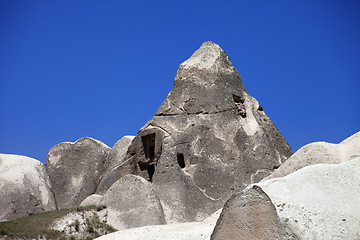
column 238, row 99
column 149, row 151
column 149, row 146
column 180, row 160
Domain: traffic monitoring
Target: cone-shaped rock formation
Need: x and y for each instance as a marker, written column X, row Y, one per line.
column 207, row 140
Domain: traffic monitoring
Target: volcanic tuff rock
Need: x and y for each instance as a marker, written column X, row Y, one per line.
column 185, row 231
column 316, row 202
column 132, row 202
column 24, row 187
column 92, row 200
column 320, row 152
column 207, row 140
column 250, row 214
column 75, row 170
column 116, row 167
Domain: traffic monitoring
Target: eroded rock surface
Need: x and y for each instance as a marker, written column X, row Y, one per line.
column 92, row 200
column 75, row 170
column 320, row 152
column 24, row 187
column 185, row 231
column 132, row 202
column 315, row 202
column 115, row 164
column 250, row 214
column 207, row 140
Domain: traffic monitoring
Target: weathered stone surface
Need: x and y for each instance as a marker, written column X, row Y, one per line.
column 24, row 187
column 94, row 199
column 185, row 231
column 320, row 152
column 207, row 140
column 132, row 202
column 250, row 214
column 316, row 202
column 75, row 170
column 115, row 164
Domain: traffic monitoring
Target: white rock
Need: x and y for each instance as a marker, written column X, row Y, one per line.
column 94, row 199
column 132, row 202
column 116, row 166
column 320, row 201
column 317, row 202
column 178, row 231
column 208, row 57
column 320, row 152
column 24, row 187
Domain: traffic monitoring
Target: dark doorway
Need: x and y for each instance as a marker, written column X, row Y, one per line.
column 180, row 160
column 149, row 145
column 149, row 151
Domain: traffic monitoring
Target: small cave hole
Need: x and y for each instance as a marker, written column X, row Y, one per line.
column 238, row 99
column 276, row 167
column 242, row 112
column 180, row 160
column 260, row 108
column 149, row 145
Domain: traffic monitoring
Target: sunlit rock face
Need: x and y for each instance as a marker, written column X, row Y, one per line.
column 320, row 152
column 316, row 202
column 115, row 167
column 24, row 187
column 75, row 170
column 207, row 140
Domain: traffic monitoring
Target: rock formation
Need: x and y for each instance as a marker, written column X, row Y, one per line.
column 315, row 202
column 207, row 140
column 116, row 167
column 185, row 231
column 131, row 202
column 320, row 152
column 92, row 200
column 24, row 187
column 75, row 170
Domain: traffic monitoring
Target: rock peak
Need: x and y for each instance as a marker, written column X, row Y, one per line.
column 209, row 56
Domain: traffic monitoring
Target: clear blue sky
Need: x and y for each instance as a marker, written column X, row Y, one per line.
column 70, row 69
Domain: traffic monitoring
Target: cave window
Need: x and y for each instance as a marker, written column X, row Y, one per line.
column 238, row 99
column 149, row 145
column 180, row 160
